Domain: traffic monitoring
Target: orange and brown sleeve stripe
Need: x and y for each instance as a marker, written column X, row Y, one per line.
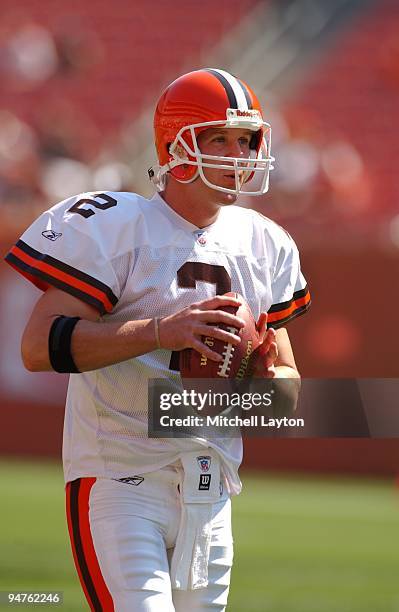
column 44, row 270
column 279, row 314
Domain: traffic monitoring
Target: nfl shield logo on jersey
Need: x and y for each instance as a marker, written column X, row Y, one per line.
column 204, row 463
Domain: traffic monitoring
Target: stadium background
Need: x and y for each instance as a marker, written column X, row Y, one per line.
column 78, row 86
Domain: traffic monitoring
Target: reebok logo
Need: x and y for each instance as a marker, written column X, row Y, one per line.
column 51, row 234
column 132, row 480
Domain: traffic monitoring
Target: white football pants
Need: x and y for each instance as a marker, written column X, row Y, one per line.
column 123, row 535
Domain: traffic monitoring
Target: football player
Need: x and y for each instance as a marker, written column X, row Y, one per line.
column 127, row 282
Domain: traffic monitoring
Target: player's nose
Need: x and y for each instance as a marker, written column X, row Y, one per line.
column 235, row 149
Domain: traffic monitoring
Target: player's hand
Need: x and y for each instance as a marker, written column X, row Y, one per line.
column 267, row 351
column 185, row 328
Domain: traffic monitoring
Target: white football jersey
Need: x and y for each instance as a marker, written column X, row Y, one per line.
column 134, row 258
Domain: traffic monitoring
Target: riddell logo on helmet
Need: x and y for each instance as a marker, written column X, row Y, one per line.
column 241, row 113
column 236, row 113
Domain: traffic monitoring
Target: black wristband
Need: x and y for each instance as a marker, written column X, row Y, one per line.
column 59, row 344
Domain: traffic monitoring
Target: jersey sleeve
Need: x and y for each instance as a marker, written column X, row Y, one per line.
column 291, row 297
column 68, row 251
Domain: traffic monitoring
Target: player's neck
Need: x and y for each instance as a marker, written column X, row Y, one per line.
column 196, row 203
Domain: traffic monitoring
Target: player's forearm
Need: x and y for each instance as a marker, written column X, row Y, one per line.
column 284, row 371
column 287, row 386
column 96, row 345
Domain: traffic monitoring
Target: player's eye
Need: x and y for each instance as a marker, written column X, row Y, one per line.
column 244, row 141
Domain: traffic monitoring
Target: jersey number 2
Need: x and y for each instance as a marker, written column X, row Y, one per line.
column 187, row 277
column 88, row 212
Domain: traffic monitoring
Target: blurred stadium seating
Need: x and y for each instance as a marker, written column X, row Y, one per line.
column 74, row 87
column 339, row 141
column 71, row 83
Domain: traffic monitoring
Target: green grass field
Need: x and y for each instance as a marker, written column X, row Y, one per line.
column 301, row 544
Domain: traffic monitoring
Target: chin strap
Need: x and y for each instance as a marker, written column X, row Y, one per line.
column 157, row 175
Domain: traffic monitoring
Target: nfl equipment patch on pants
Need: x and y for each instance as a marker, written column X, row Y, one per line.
column 140, row 543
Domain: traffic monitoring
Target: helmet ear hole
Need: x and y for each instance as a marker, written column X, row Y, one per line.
column 254, row 143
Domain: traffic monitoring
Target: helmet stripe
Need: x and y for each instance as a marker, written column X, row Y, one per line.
column 246, row 94
column 229, row 89
column 243, row 100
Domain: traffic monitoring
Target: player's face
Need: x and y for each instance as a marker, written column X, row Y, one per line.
column 224, row 142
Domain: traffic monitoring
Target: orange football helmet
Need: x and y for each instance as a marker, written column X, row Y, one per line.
column 195, row 102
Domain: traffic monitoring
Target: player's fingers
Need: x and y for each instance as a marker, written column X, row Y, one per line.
column 229, row 336
column 261, row 326
column 219, row 316
column 203, row 349
column 270, row 372
column 261, row 371
column 270, row 337
column 217, row 302
column 271, row 355
column 266, row 361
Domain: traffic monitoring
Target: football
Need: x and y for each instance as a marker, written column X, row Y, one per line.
column 236, row 362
